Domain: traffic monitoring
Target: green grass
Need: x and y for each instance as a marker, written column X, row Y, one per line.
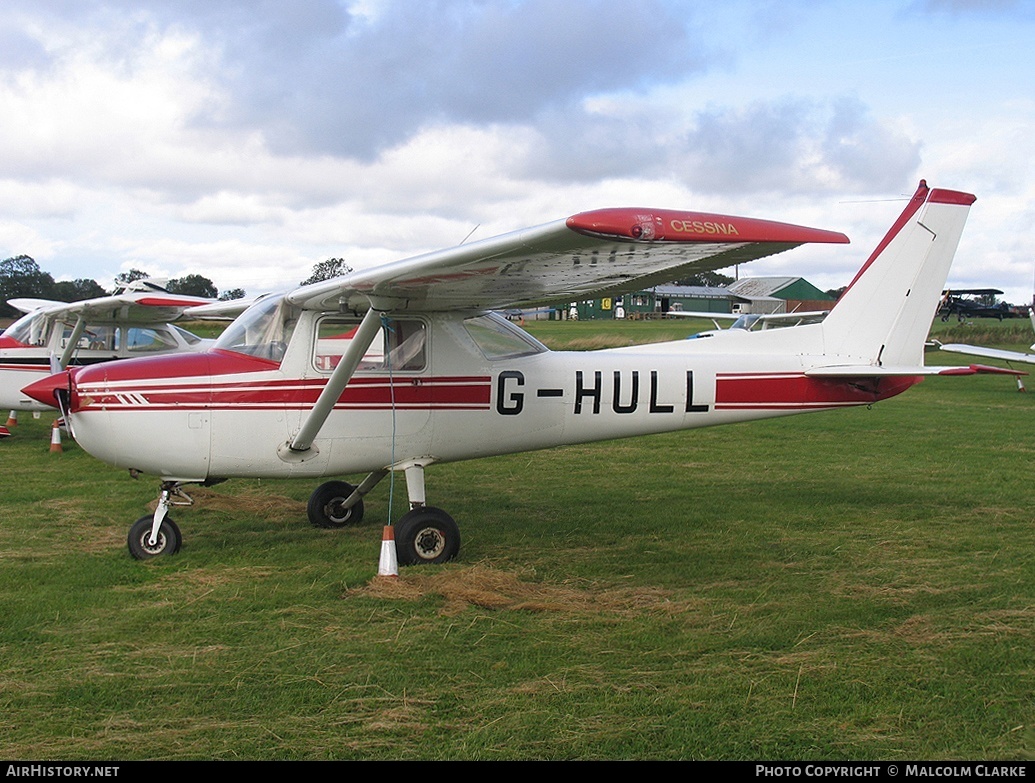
column 849, row 585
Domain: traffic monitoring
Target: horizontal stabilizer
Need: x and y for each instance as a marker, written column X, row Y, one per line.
column 887, row 371
column 989, row 353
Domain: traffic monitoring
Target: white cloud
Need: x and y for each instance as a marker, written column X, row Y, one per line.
column 256, row 137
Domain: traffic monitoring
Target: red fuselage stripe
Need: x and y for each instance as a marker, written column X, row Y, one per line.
column 370, row 394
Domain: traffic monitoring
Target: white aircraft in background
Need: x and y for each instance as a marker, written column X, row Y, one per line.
column 55, row 335
column 402, row 366
column 748, row 321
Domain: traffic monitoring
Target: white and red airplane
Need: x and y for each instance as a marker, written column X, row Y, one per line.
column 135, row 321
column 402, row 366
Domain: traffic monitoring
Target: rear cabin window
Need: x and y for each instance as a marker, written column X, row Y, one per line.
column 145, row 339
column 497, row 338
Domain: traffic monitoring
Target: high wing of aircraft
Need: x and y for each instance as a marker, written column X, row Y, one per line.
column 403, row 366
column 135, row 322
column 994, row 353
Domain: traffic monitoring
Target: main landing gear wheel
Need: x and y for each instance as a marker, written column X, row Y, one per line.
column 426, row 535
column 325, row 506
column 168, row 543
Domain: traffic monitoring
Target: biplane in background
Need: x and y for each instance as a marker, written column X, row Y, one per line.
column 967, row 303
column 402, row 366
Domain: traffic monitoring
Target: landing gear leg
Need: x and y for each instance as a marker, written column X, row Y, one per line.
column 424, row 534
column 151, row 536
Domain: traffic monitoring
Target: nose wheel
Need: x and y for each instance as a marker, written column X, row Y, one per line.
column 143, row 547
column 157, row 535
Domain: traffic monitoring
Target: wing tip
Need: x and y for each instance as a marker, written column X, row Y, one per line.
column 669, row 225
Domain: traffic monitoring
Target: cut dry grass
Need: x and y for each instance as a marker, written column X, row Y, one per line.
column 489, row 588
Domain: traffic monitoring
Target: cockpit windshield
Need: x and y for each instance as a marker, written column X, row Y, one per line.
column 30, row 329
column 745, row 322
column 263, row 330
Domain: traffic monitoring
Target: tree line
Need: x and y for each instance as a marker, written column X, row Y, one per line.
column 21, row 276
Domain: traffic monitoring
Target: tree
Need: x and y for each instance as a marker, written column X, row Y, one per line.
column 231, row 294
column 77, row 290
column 193, row 285
column 708, row 279
column 22, row 276
column 326, row 270
column 125, row 278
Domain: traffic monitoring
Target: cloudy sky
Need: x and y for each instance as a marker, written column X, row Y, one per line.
column 246, row 140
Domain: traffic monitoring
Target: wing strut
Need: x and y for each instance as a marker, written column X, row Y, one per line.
column 296, row 449
column 73, row 342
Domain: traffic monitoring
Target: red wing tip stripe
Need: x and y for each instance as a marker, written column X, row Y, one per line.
column 667, row 225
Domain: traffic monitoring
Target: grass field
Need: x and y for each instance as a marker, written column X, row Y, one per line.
column 850, row 585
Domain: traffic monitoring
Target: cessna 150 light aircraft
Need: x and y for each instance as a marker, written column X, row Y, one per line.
column 402, row 366
column 53, row 335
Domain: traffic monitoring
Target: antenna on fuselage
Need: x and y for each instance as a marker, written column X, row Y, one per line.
column 469, row 233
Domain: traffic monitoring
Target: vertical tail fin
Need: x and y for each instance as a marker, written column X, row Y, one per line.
column 884, row 316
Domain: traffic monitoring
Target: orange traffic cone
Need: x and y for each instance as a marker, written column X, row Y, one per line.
column 4, row 432
column 12, row 419
column 55, row 439
column 389, row 564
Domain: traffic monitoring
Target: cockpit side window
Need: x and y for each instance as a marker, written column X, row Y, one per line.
column 402, row 341
column 94, row 337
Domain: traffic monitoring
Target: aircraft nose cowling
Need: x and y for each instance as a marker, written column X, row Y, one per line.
column 45, row 390
column 148, row 414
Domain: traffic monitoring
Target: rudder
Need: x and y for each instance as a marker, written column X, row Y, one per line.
column 885, row 314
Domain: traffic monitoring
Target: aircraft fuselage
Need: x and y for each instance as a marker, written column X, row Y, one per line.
column 222, row 414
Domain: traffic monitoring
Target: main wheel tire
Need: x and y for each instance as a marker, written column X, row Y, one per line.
column 169, row 539
column 426, row 535
column 324, row 508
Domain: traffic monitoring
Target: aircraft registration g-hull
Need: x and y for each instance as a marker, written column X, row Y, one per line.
column 135, row 321
column 402, row 366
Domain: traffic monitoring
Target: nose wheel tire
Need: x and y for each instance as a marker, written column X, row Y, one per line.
column 325, row 506
column 168, row 543
column 426, row 535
